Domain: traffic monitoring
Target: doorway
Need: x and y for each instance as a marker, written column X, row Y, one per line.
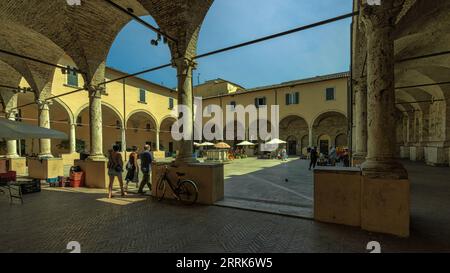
column 292, row 147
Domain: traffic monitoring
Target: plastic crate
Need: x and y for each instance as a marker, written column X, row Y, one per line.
column 32, row 186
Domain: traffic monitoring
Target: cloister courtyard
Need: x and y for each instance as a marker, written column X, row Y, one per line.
column 49, row 220
column 209, row 92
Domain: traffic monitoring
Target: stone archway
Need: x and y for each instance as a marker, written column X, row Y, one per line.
column 330, row 124
column 141, row 129
column 167, row 144
column 294, row 128
column 112, row 124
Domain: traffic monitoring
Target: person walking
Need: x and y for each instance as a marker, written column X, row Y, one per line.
column 313, row 157
column 284, row 155
column 115, row 169
column 132, row 168
column 146, row 163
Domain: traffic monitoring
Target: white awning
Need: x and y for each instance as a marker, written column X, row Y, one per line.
column 12, row 130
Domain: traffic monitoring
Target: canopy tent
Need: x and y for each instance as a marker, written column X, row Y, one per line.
column 206, row 144
column 276, row 141
column 246, row 143
column 222, row 145
column 12, row 130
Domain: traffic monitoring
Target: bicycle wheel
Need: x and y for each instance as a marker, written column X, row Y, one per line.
column 160, row 188
column 188, row 192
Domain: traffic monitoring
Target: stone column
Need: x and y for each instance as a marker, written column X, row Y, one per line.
column 311, row 144
column 360, row 88
column 11, row 145
column 379, row 22
column 45, row 145
column 124, row 138
column 95, row 122
column 157, row 140
column 184, row 67
column 73, row 138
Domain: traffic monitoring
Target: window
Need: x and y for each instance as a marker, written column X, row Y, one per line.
column 330, row 94
column 142, row 95
column 293, row 98
column 72, row 78
column 260, row 102
column 233, row 105
column 171, row 103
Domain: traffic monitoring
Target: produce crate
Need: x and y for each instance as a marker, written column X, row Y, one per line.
column 53, row 182
column 31, row 186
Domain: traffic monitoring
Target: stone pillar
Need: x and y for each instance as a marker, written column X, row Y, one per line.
column 311, row 144
column 95, row 122
column 361, row 120
column 184, row 67
column 385, row 188
column 45, row 145
column 73, row 138
column 379, row 22
column 11, row 145
column 124, row 138
column 157, row 139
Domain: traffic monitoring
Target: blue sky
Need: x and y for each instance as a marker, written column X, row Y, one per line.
column 318, row 51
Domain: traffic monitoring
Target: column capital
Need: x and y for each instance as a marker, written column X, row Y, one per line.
column 380, row 16
column 11, row 114
column 184, row 65
column 95, row 91
column 44, row 104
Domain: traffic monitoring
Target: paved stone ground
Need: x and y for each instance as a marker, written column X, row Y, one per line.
column 270, row 185
column 49, row 220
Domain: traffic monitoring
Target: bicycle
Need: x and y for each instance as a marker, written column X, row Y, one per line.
column 184, row 190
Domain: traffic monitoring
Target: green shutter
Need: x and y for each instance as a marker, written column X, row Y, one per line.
column 288, row 96
column 72, row 78
column 297, row 97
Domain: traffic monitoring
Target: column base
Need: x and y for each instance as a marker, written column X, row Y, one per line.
column 384, row 169
column 337, row 195
column 208, row 177
column 358, row 159
column 416, row 153
column 69, row 159
column 185, row 161
column 97, row 158
column 95, row 173
column 404, row 152
column 385, row 206
column 436, row 156
column 159, row 155
column 18, row 164
column 44, row 156
column 45, row 168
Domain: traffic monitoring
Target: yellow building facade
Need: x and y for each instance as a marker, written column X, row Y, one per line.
column 135, row 112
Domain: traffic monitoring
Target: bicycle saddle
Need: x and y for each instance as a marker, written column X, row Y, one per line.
column 180, row 174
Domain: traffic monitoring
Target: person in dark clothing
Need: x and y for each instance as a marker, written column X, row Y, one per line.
column 132, row 168
column 313, row 156
column 146, row 163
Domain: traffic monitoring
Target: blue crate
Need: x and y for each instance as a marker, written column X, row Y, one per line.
column 52, row 180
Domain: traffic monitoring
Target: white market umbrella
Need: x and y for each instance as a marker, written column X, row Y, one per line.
column 13, row 130
column 206, row 144
column 246, row 143
column 276, row 141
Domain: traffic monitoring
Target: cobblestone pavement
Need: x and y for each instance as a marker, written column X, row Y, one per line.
column 276, row 186
column 50, row 219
